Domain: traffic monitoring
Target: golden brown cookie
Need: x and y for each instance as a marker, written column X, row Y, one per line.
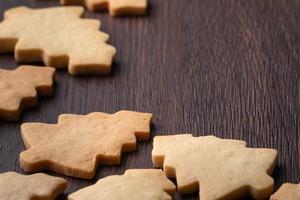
column 115, row 7
column 135, row 184
column 78, row 143
column 15, row 186
column 221, row 168
column 58, row 37
column 19, row 89
column 287, row 191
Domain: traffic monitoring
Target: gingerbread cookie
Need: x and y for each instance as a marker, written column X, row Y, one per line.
column 57, row 36
column 287, row 191
column 221, row 168
column 78, row 143
column 115, row 7
column 19, row 89
column 15, row 186
column 146, row 184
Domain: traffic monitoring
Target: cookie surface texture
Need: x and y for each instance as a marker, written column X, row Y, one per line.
column 78, row 143
column 58, row 37
column 19, row 89
column 218, row 168
column 135, row 184
column 287, row 191
column 26, row 187
column 115, row 7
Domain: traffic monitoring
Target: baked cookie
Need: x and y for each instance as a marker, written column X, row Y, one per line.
column 58, row 37
column 287, row 191
column 15, row 186
column 115, row 7
column 221, row 168
column 19, row 89
column 135, row 184
column 78, row 143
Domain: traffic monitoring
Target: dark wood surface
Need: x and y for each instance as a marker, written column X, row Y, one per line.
column 229, row 68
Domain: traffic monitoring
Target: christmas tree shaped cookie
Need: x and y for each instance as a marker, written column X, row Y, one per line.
column 287, row 191
column 19, row 89
column 135, row 184
column 220, row 168
column 15, row 186
column 58, row 37
column 78, row 143
column 115, row 7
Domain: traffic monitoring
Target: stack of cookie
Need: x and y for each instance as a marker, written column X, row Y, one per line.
column 78, row 144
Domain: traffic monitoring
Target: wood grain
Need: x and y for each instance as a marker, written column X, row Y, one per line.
column 229, row 68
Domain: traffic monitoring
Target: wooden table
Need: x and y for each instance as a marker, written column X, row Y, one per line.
column 229, row 68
